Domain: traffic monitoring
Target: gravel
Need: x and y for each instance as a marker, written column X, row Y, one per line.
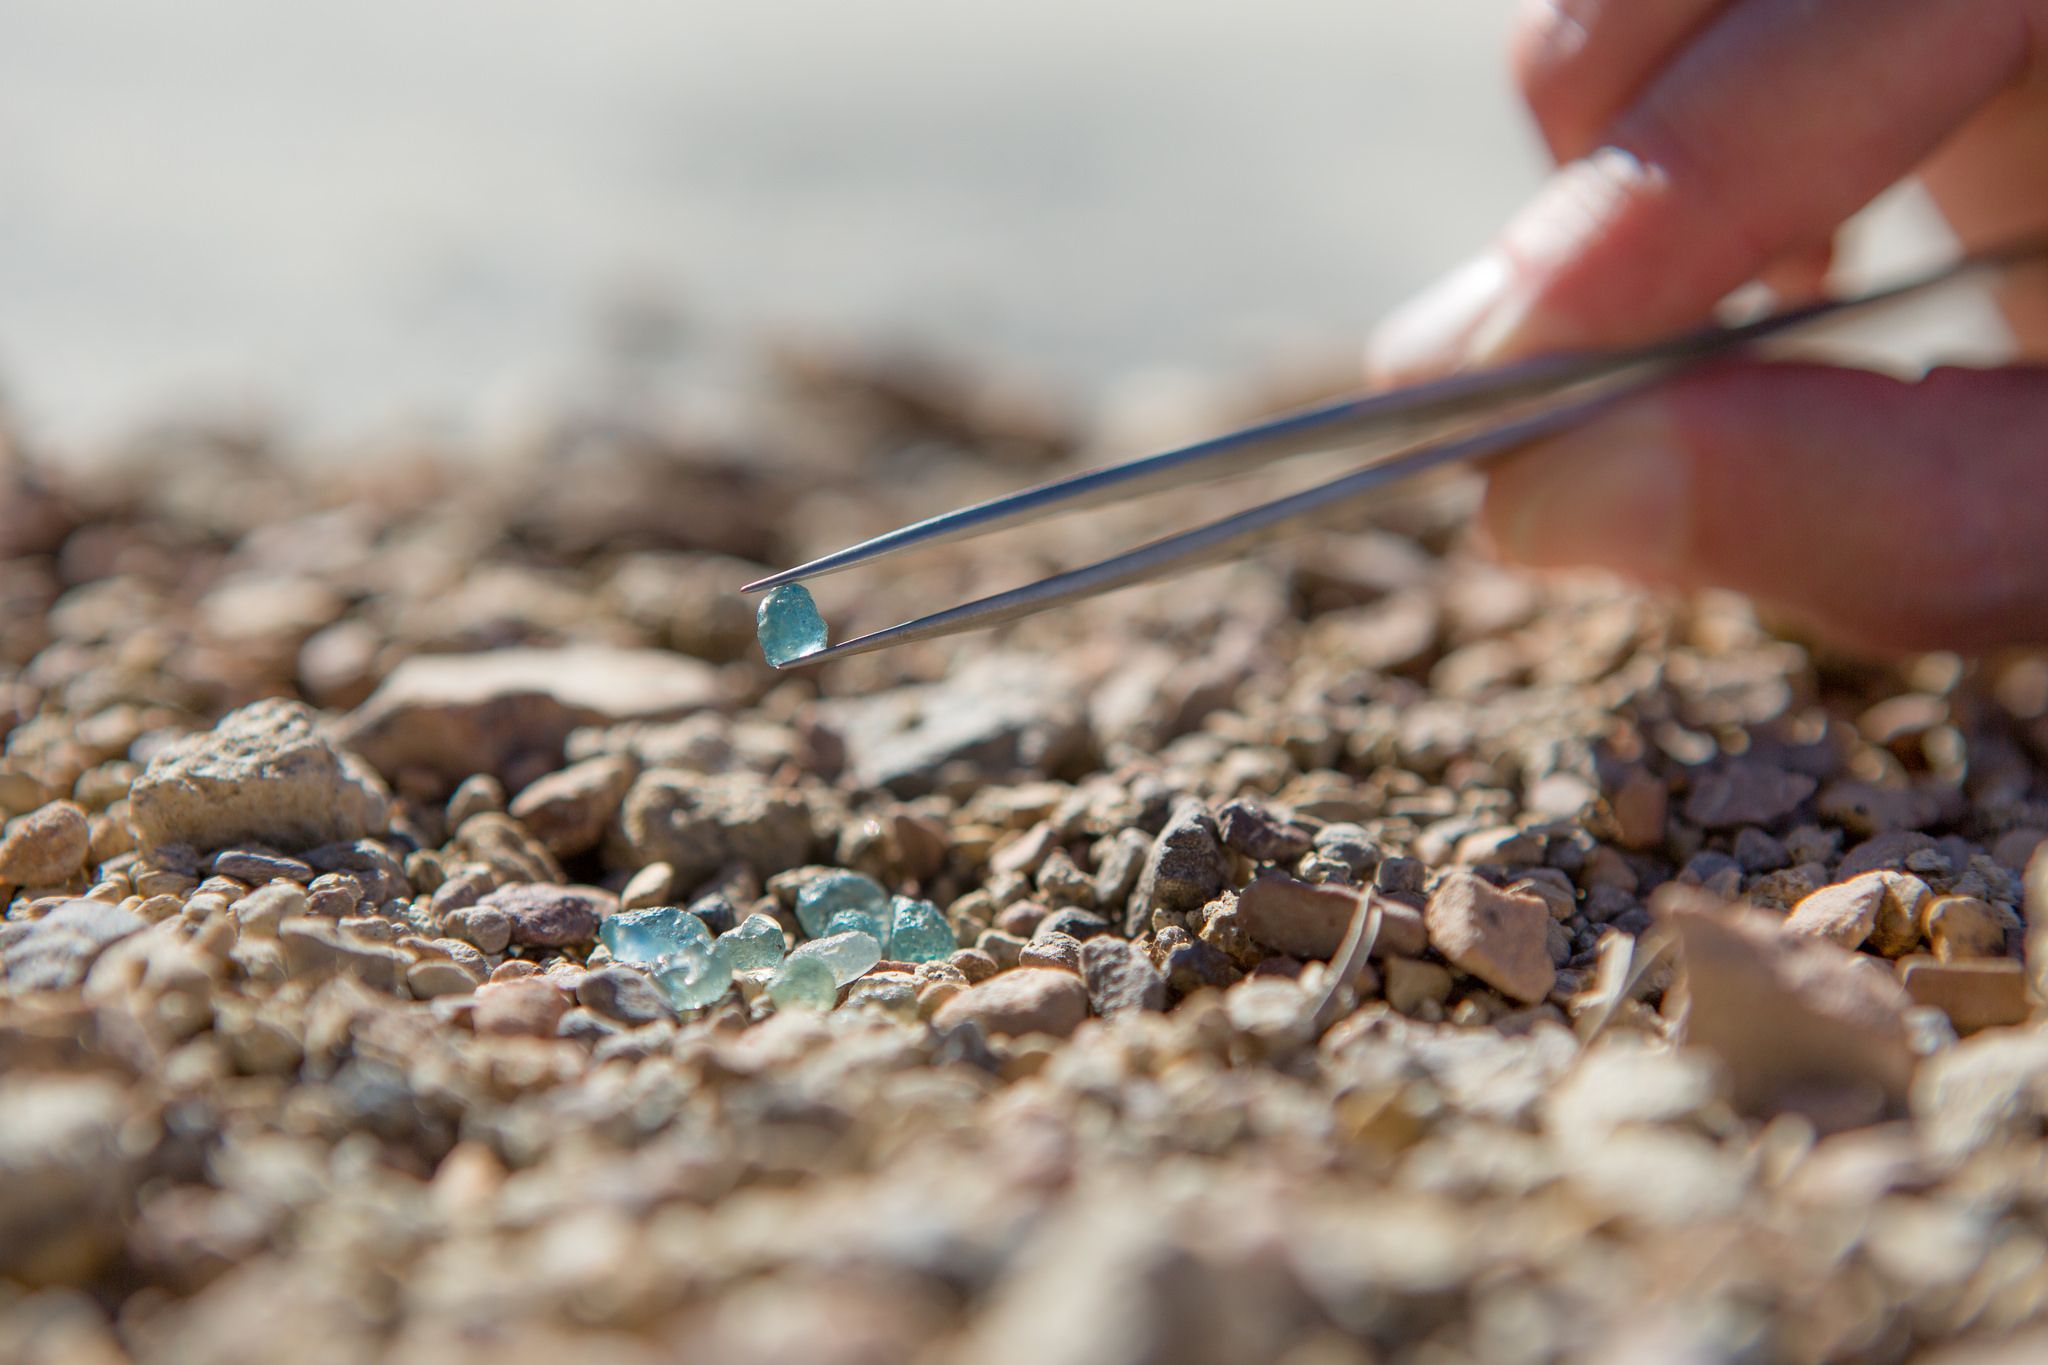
column 320, row 780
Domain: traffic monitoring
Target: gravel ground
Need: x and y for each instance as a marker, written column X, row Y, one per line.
column 1697, row 1028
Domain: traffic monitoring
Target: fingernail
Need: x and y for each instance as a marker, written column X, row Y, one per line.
column 1491, row 309
column 1427, row 334
column 1614, row 494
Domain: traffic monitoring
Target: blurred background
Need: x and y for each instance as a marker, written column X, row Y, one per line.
column 363, row 217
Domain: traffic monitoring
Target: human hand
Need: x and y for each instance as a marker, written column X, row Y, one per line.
column 1707, row 143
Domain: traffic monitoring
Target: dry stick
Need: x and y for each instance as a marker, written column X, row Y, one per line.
column 1338, row 997
column 1622, row 971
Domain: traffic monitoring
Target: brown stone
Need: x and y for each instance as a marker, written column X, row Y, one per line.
column 46, row 847
column 1980, row 994
column 1309, row 920
column 1499, row 936
column 529, row 1005
column 1958, row 927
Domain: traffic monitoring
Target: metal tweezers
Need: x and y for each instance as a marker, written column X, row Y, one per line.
column 1462, row 419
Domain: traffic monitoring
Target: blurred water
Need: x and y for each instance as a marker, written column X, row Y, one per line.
column 355, row 212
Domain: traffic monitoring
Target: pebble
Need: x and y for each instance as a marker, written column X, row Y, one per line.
column 1184, row 870
column 623, row 994
column 265, row 774
column 46, row 847
column 1054, row 950
column 652, row 885
column 545, row 916
column 694, row 975
column 1025, row 1000
column 257, row 867
column 1498, row 936
column 701, row 824
column 529, row 1006
column 1843, row 914
column 1120, row 977
column 486, row 927
column 1746, row 792
column 1959, row 927
column 569, row 810
column 1976, row 994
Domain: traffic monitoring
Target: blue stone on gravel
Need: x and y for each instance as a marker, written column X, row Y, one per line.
column 647, row 936
column 789, row 625
column 836, row 891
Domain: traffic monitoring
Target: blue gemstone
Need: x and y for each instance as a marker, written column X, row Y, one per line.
column 848, row 956
column 755, row 944
column 803, row 983
column 875, row 927
column 789, row 625
column 836, row 891
column 647, row 936
column 918, row 933
column 694, row 975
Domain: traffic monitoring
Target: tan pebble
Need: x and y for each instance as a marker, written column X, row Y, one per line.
column 1842, row 914
column 1410, row 982
column 1001, row 948
column 514, row 969
column 437, row 976
column 1641, row 806
column 530, row 1006
column 1962, row 927
column 1897, row 931
column 1978, row 994
column 46, row 847
column 1026, row 1000
column 651, row 886
column 1060, row 951
column 934, row 994
column 973, row 964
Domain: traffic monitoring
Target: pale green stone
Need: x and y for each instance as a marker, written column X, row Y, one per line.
column 803, row 983
column 918, row 932
column 847, row 955
column 875, row 927
column 647, row 936
column 836, row 891
column 789, row 625
column 694, row 976
column 752, row 945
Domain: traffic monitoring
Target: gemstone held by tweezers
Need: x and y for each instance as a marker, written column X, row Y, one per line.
column 789, row 625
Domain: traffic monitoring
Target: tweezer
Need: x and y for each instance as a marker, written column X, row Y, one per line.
column 1463, row 419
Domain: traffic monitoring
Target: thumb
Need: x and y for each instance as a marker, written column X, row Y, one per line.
column 1888, row 514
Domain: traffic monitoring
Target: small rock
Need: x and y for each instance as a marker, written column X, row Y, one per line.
column 1074, row 923
column 1792, row 1019
column 1978, row 994
column 1120, row 977
column 486, row 928
column 1412, row 983
column 1885, row 852
column 1746, row 792
column 1190, row 965
column 1862, row 808
column 56, row 951
column 701, row 824
column 1053, row 950
column 46, row 847
column 1641, row 804
column 546, row 916
column 1308, row 921
column 257, row 867
column 1843, row 914
column 314, row 947
column 436, row 976
column 509, row 711
column 652, row 885
column 1026, row 1000
column 262, row 774
column 532, row 1006
column 1959, row 927
column 1259, row 835
column 1501, row 937
column 1184, row 871
column 568, row 810
column 623, row 994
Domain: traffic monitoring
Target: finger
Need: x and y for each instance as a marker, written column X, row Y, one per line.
column 1990, row 186
column 1579, row 63
column 1783, row 118
column 1891, row 514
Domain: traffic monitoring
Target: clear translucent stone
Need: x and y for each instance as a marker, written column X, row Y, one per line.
column 836, row 891
column 918, row 932
column 788, row 623
column 847, row 955
column 756, row 943
column 875, row 927
column 694, row 976
column 803, row 983
column 647, row 936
